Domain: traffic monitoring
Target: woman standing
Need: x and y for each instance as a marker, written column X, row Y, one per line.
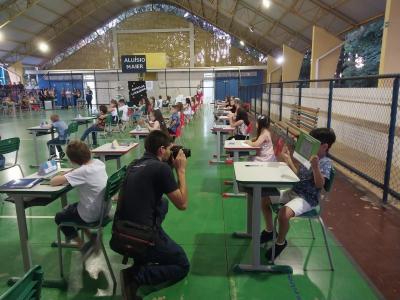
column 89, row 98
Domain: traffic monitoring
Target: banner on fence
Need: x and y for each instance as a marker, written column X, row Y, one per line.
column 137, row 90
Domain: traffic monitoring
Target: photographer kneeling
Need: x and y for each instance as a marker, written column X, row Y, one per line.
column 137, row 231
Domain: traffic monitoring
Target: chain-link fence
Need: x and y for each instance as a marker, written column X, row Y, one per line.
column 364, row 113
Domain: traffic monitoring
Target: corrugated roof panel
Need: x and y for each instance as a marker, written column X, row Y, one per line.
column 23, row 22
column 42, row 14
column 16, row 34
column 60, row 6
column 294, row 21
column 361, row 11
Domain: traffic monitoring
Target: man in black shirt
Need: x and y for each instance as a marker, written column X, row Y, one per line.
column 148, row 178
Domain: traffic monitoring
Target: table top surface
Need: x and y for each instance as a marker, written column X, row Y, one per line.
column 277, row 173
column 143, row 131
column 39, row 128
column 217, row 127
column 238, row 145
column 39, row 188
column 223, row 117
column 84, row 118
column 106, row 149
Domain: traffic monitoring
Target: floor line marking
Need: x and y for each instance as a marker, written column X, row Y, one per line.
column 28, row 217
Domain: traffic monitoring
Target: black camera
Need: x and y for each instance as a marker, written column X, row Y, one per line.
column 175, row 150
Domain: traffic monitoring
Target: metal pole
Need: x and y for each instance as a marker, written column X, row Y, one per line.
column 280, row 101
column 166, row 85
column 392, row 129
column 300, row 90
column 190, row 86
column 261, row 97
column 269, row 101
column 329, row 118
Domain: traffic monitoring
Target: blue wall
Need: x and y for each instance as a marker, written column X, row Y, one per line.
column 229, row 86
column 59, row 85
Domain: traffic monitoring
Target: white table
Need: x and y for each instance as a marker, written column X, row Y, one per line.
column 237, row 147
column 221, row 131
column 22, row 197
column 107, row 150
column 137, row 133
column 259, row 175
column 223, row 119
column 37, row 131
column 85, row 120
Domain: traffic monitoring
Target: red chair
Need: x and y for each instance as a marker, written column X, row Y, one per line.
column 279, row 146
column 249, row 130
column 182, row 120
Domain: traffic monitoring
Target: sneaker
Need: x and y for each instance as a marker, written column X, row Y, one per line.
column 266, row 236
column 278, row 251
column 52, row 157
column 129, row 286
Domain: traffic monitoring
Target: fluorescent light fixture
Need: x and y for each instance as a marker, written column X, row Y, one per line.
column 1, row 36
column 43, row 47
column 280, row 60
column 266, row 3
column 241, row 43
column 5, row 23
column 251, row 28
column 186, row 14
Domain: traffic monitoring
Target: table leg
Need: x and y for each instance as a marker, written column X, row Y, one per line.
column 255, row 265
column 23, row 232
column 217, row 160
column 235, row 184
column 118, row 163
column 35, row 146
column 248, row 232
column 102, row 158
column 64, row 201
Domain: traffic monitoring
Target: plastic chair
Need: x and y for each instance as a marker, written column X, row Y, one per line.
column 315, row 213
column 113, row 185
column 9, row 146
column 27, row 288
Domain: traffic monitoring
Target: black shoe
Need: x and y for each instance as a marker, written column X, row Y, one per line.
column 278, row 250
column 266, row 236
column 62, row 155
column 129, row 286
column 52, row 157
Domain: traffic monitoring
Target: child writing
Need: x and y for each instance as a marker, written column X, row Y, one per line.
column 90, row 178
column 304, row 195
column 61, row 129
column 263, row 140
column 99, row 126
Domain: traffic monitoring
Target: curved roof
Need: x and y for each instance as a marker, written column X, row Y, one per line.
column 64, row 22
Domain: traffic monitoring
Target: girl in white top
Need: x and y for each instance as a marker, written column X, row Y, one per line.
column 113, row 110
column 263, row 140
column 156, row 122
column 187, row 109
column 124, row 108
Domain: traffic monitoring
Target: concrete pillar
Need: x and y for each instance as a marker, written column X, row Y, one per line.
column 292, row 64
column 390, row 50
column 324, row 54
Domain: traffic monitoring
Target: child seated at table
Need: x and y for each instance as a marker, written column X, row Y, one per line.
column 99, row 126
column 113, row 110
column 240, row 121
column 263, row 140
column 62, row 131
column 304, row 195
column 90, row 179
column 156, row 122
column 175, row 120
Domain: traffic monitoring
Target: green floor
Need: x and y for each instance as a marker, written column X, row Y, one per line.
column 204, row 231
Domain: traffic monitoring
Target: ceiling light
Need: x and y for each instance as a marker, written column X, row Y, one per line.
column 266, row 3
column 280, row 60
column 242, row 43
column 186, row 14
column 43, row 47
column 1, row 36
column 251, row 28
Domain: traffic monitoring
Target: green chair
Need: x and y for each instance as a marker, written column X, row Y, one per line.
column 112, row 188
column 9, row 146
column 312, row 214
column 27, row 288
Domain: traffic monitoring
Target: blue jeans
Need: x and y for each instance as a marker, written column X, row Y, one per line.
column 166, row 262
column 91, row 129
column 56, row 142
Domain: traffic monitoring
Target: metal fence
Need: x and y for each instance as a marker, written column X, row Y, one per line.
column 363, row 111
